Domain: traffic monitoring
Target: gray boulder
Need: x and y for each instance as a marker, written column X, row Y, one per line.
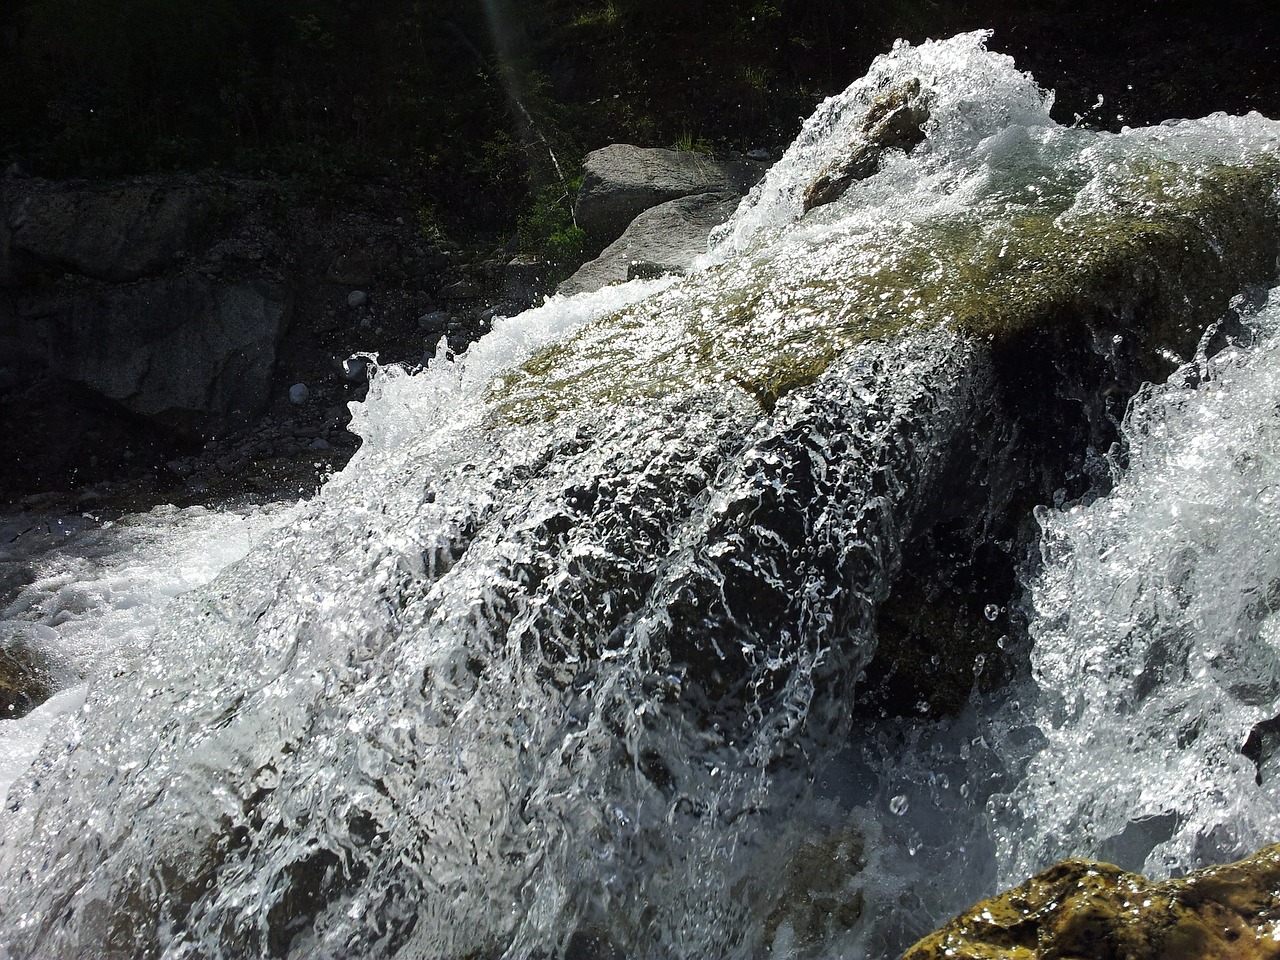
column 622, row 181
column 117, row 234
column 664, row 239
column 192, row 354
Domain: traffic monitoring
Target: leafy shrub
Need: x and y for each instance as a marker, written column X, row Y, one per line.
column 547, row 228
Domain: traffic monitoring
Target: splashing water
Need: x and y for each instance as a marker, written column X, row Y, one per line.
column 1157, row 643
column 564, row 662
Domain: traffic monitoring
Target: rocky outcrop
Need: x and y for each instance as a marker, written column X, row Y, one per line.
column 115, row 233
column 662, row 240
column 194, row 354
column 894, row 121
column 1031, row 388
column 139, row 318
column 1082, row 908
column 622, row 181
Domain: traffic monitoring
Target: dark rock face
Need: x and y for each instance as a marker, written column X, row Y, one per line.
column 142, row 318
column 190, row 353
column 115, row 234
column 622, row 181
column 664, row 239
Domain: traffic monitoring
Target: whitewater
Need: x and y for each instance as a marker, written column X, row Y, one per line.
column 565, row 662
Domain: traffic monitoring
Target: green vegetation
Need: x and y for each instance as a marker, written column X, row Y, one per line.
column 547, row 229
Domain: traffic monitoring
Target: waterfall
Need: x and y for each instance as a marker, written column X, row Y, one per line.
column 1157, row 635
column 578, row 656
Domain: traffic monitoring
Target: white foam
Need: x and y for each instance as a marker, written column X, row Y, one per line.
column 1158, row 634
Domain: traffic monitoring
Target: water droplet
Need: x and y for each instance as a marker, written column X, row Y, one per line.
column 992, row 611
column 898, row 805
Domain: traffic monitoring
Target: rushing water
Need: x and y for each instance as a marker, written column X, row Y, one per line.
column 566, row 661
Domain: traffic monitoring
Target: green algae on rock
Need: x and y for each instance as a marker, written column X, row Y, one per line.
column 1086, row 909
column 1152, row 250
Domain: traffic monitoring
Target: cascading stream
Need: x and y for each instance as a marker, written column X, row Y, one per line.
column 1157, row 637
column 568, row 660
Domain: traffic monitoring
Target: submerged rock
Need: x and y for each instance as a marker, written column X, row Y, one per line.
column 895, row 121
column 820, row 896
column 1081, row 908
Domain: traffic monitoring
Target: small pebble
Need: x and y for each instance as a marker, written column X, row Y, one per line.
column 299, row 393
column 357, row 298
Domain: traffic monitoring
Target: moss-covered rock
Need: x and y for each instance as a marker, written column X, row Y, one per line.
column 1072, row 302
column 1084, row 909
column 1158, row 261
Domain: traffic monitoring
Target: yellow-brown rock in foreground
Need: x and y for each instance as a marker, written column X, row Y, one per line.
column 1084, row 910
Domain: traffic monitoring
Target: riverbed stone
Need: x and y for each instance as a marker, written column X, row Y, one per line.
column 665, row 239
column 1087, row 909
column 524, row 278
column 621, row 181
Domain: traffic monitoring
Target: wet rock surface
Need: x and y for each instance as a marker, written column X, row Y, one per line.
column 1083, row 908
column 894, row 122
column 26, row 677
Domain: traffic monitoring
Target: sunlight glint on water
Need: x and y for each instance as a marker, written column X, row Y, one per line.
column 561, row 663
